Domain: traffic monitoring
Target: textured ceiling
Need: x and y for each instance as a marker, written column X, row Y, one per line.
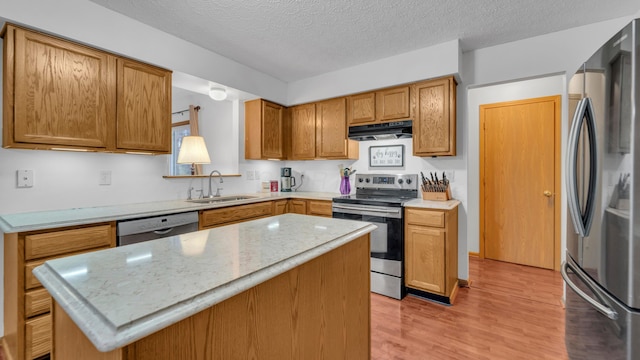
column 296, row 39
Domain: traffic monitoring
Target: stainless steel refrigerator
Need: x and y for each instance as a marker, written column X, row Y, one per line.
column 602, row 268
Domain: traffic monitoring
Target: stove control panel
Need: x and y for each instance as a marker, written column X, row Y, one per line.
column 387, row 181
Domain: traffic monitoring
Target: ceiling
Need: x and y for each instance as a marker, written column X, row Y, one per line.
column 296, row 39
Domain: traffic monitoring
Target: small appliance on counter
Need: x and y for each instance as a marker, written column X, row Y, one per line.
column 286, row 179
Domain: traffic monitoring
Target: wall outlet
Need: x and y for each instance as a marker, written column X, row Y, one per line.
column 250, row 174
column 25, row 178
column 257, row 175
column 105, row 177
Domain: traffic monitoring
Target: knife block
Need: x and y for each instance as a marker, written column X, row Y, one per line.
column 437, row 196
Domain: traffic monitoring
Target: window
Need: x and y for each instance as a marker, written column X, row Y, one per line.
column 178, row 131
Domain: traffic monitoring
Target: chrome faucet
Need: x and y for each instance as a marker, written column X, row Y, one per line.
column 218, row 188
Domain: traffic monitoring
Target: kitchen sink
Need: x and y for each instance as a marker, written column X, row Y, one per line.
column 221, row 199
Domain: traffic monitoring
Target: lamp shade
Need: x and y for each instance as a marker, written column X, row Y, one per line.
column 217, row 93
column 193, row 150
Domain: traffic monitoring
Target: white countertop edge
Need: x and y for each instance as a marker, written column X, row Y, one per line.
column 432, row 204
column 106, row 337
column 182, row 206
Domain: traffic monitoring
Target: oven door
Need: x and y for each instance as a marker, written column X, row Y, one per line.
column 386, row 240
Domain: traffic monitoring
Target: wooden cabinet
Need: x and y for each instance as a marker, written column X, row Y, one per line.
column 58, row 94
column 298, row 206
column 264, row 130
column 27, row 317
column 280, row 207
column 434, row 117
column 144, row 107
column 303, row 132
column 431, row 253
column 320, row 208
column 331, row 131
column 234, row 214
column 383, row 105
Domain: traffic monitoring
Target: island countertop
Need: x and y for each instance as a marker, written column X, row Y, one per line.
column 120, row 295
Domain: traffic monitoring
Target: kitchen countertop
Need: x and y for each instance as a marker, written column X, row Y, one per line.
column 119, row 295
column 431, row 204
column 40, row 220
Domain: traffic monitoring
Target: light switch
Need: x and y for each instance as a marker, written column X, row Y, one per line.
column 25, row 178
column 105, row 177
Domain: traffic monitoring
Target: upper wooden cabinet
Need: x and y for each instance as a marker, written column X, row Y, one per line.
column 434, row 117
column 59, row 94
column 144, row 107
column 303, row 132
column 331, row 131
column 264, row 130
column 383, row 105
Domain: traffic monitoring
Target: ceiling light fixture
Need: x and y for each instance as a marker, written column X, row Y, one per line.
column 217, row 93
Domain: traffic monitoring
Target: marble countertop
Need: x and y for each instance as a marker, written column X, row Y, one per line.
column 432, row 204
column 120, row 295
column 40, row 220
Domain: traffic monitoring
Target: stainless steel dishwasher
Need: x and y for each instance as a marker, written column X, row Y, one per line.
column 139, row 230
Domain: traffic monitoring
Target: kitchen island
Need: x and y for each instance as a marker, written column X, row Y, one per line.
column 285, row 287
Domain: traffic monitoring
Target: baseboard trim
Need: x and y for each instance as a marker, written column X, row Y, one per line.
column 464, row 283
column 474, row 254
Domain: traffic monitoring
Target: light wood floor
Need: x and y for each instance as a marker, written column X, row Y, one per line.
column 509, row 312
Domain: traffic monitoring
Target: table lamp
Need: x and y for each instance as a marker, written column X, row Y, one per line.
column 193, row 151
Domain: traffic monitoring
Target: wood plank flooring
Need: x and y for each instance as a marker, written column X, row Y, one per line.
column 509, row 312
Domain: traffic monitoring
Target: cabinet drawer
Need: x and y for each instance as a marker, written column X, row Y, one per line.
column 38, row 336
column 425, row 217
column 37, row 302
column 319, row 207
column 224, row 216
column 60, row 242
column 31, row 282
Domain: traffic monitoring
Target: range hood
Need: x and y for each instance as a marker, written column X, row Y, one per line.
column 383, row 131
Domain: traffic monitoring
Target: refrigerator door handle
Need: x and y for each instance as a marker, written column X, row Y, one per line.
column 582, row 222
column 572, row 157
column 605, row 310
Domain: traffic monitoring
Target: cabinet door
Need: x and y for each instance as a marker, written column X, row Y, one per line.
column 272, row 131
column 331, row 129
column 61, row 93
column 392, row 104
column 303, row 132
column 144, row 107
column 362, row 109
column 425, row 259
column 320, row 208
column 280, row 207
column 434, row 123
column 298, row 206
column 38, row 336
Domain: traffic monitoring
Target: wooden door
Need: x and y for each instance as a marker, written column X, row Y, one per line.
column 272, row 131
column 331, row 129
column 362, row 109
column 425, row 249
column 434, row 120
column 62, row 91
column 144, row 107
column 303, row 132
column 392, row 104
column 519, row 181
column 298, row 206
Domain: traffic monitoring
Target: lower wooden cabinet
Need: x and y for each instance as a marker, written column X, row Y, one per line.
column 280, row 207
column 320, row 208
column 431, row 252
column 298, row 206
column 27, row 305
column 234, row 214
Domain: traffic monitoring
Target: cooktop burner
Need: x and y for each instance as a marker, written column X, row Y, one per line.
column 382, row 190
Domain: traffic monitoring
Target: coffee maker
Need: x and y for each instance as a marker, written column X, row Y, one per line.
column 286, row 179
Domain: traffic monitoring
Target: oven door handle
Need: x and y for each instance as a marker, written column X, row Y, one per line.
column 368, row 209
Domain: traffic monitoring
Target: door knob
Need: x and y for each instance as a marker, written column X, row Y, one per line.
column 547, row 193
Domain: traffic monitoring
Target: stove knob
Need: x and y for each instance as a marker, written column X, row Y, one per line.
column 367, row 180
column 400, row 181
column 408, row 181
column 360, row 180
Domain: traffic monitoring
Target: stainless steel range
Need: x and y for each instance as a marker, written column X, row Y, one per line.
column 379, row 199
